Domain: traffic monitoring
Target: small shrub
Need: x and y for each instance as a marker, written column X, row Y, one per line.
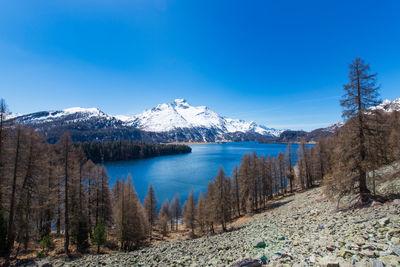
column 40, row 254
column 47, row 243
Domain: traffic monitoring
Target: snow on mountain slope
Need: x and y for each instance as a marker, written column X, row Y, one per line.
column 172, row 122
column 74, row 114
column 385, row 106
column 11, row 115
column 334, row 127
column 388, row 106
column 177, row 121
column 179, row 115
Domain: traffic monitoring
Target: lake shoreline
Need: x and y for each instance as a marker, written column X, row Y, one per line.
column 180, row 173
column 225, row 142
column 200, row 143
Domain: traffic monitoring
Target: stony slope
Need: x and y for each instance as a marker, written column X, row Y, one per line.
column 302, row 230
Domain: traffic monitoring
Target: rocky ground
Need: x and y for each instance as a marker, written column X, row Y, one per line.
column 301, row 230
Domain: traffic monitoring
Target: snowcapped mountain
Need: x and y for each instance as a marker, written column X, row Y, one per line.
column 177, row 121
column 388, row 106
column 180, row 115
column 69, row 115
column 83, row 124
column 172, row 122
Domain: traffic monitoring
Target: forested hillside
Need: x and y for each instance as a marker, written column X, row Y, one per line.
column 129, row 150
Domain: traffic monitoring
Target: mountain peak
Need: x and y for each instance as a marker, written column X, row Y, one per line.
column 179, row 114
column 180, row 102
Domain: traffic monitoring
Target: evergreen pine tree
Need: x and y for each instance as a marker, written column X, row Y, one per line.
column 100, row 234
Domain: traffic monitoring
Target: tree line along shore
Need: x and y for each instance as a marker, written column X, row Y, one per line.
column 55, row 190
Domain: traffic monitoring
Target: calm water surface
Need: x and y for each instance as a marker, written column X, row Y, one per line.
column 179, row 173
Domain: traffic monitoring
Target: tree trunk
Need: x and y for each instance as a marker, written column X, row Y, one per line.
column 66, row 219
column 365, row 194
column 10, row 230
column 1, row 156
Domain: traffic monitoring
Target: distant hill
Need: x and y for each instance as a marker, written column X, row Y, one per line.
column 386, row 106
column 295, row 136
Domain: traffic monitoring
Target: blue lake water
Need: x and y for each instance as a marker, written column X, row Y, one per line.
column 180, row 173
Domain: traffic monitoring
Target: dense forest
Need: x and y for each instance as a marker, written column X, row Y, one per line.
column 128, row 150
column 54, row 190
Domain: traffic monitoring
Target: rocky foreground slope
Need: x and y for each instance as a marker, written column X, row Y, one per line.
column 301, row 230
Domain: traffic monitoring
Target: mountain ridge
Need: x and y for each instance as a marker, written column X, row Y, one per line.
column 176, row 121
column 169, row 122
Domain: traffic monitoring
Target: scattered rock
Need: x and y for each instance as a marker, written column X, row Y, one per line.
column 383, row 222
column 390, row 260
column 391, row 232
column 330, row 248
column 248, row 263
column 259, row 243
column 375, row 263
column 395, row 240
column 368, row 253
column 329, row 261
column 346, row 253
column 312, row 259
column 396, row 251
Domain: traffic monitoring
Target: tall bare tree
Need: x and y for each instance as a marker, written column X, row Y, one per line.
column 201, row 212
column 163, row 218
column 150, row 203
column 3, row 114
column 361, row 92
column 236, row 189
column 14, row 184
column 176, row 210
column 282, row 171
column 130, row 217
column 189, row 212
column 289, row 166
column 67, row 159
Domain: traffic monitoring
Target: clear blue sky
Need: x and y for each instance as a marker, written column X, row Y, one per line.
column 280, row 63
